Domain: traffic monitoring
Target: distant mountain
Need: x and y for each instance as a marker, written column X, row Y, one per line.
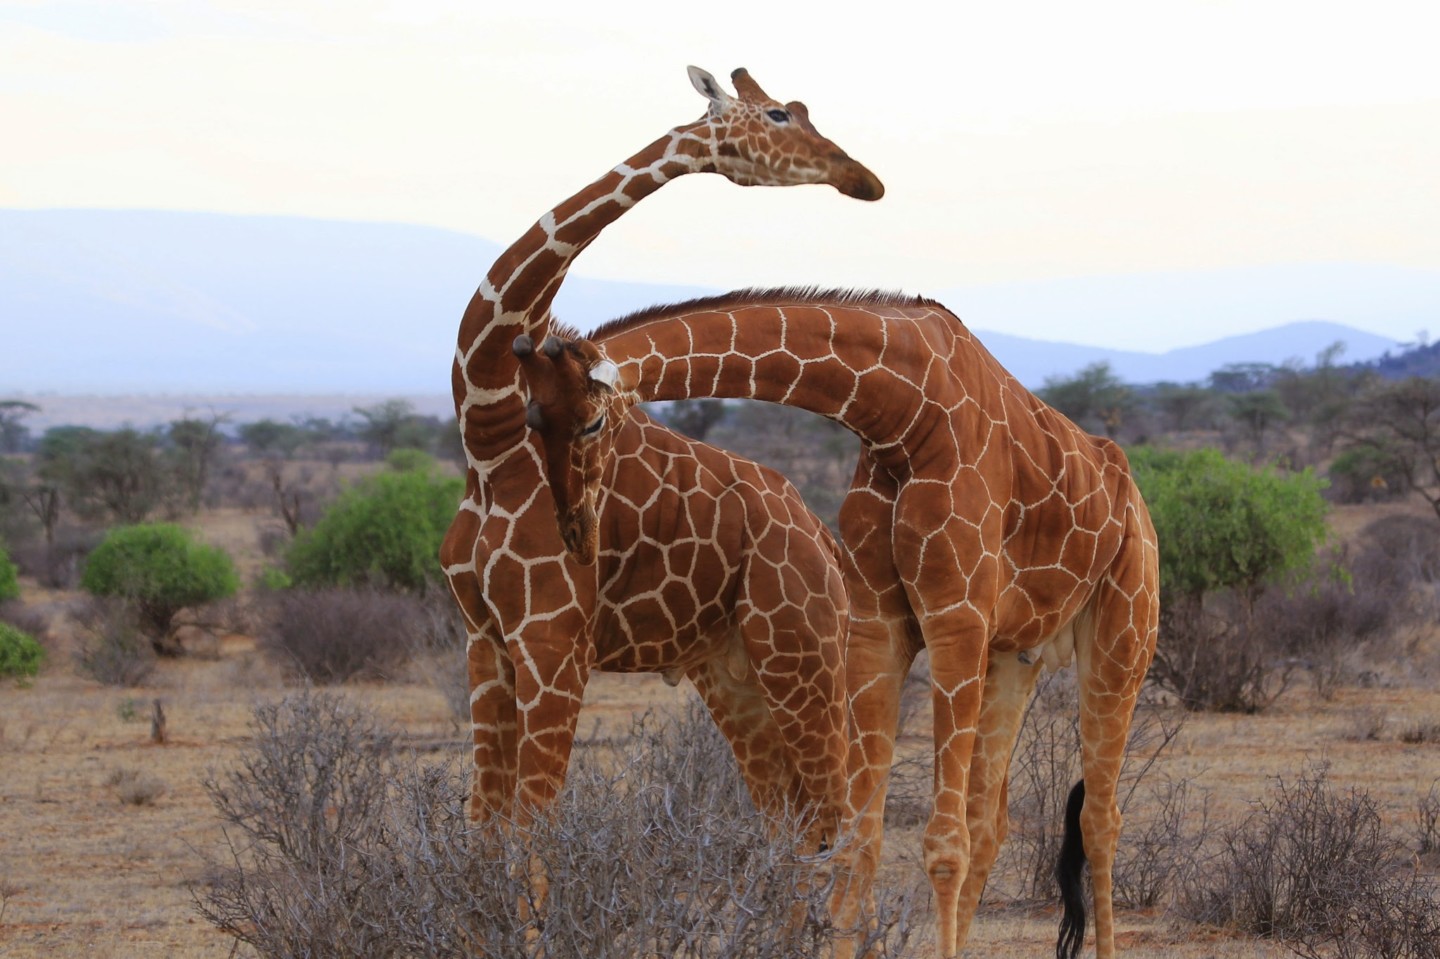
column 1033, row 361
column 116, row 302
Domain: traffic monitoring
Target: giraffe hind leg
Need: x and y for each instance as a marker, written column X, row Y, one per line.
column 1009, row 681
column 1114, row 645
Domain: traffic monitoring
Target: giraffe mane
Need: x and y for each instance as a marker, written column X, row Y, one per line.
column 769, row 296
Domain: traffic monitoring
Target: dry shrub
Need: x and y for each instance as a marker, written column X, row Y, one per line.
column 1314, row 868
column 1209, row 660
column 332, row 635
column 1324, row 621
column 113, row 648
column 25, row 618
column 1401, row 549
column 439, row 653
column 1427, row 822
column 335, row 837
column 135, row 787
column 57, row 565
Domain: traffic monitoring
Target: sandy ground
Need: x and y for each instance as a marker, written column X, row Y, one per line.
column 83, row 874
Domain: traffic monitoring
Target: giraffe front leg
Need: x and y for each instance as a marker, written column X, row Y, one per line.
column 957, row 675
column 491, row 676
column 549, row 691
column 492, row 725
column 877, row 661
column 550, row 681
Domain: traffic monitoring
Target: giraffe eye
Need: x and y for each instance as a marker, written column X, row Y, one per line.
column 779, row 116
column 594, row 427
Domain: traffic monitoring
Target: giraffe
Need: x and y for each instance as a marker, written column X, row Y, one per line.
column 981, row 524
column 748, row 603
column 731, row 545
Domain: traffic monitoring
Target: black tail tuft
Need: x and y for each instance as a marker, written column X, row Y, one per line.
column 1069, row 873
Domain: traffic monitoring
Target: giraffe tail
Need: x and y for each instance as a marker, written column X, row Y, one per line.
column 1069, row 874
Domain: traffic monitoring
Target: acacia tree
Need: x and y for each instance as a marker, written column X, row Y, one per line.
column 116, row 475
column 12, row 431
column 1227, row 532
column 394, row 424
column 1258, row 413
column 1398, row 424
column 694, row 417
column 1093, row 397
column 196, row 444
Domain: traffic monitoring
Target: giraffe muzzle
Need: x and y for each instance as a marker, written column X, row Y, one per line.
column 580, row 532
column 860, row 183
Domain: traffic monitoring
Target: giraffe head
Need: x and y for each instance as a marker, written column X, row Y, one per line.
column 575, row 408
column 759, row 141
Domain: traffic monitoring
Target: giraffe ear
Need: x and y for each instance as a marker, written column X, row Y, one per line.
column 606, row 373
column 708, row 86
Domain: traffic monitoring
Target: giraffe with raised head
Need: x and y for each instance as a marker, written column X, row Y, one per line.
column 981, row 525
column 741, row 592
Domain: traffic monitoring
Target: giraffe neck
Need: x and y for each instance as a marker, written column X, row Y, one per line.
column 875, row 368
column 520, row 287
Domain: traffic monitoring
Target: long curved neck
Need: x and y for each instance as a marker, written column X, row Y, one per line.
column 520, row 287
column 873, row 367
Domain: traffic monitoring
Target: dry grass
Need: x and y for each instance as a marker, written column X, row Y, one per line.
column 87, row 876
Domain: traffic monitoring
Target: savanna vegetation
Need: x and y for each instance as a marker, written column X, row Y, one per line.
column 173, row 600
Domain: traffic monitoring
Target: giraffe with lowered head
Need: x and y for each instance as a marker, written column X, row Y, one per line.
column 740, row 591
column 981, row 525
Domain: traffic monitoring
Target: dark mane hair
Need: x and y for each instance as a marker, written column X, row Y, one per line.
column 773, row 296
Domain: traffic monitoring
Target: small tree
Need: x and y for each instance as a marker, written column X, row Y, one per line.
column 1185, row 406
column 12, row 431
column 1226, row 532
column 694, row 417
column 1258, row 413
column 385, row 530
column 1398, row 425
column 104, row 474
column 393, row 425
column 271, row 438
column 196, row 444
column 159, row 569
column 1094, row 398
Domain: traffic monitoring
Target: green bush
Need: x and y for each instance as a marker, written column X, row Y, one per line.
column 1223, row 524
column 1227, row 533
column 9, row 585
column 20, row 654
column 383, row 531
column 159, row 569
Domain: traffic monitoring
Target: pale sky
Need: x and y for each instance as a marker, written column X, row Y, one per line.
column 1017, row 141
